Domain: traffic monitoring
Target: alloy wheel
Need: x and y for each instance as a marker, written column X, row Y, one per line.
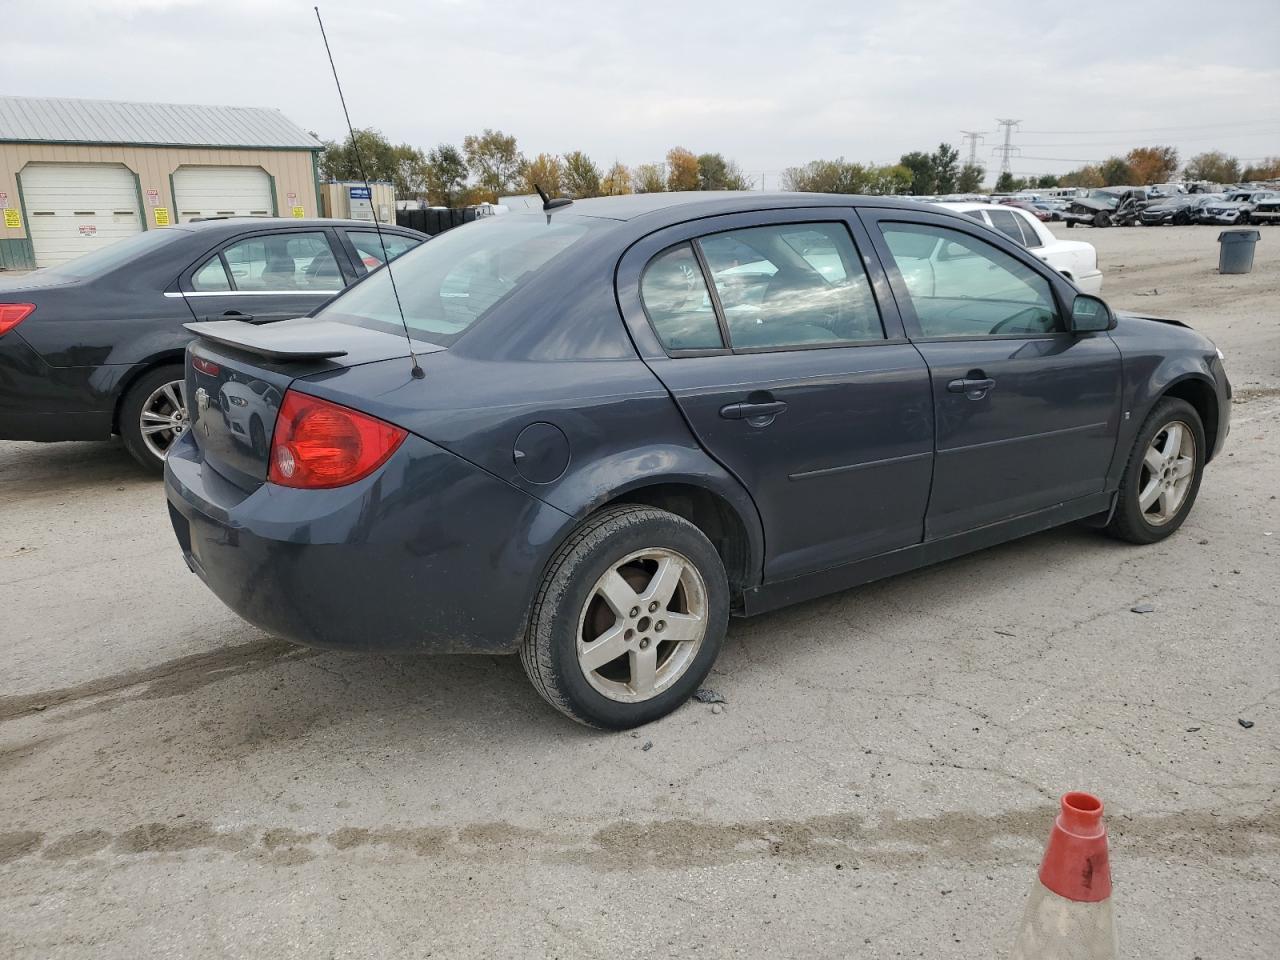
column 164, row 417
column 1168, row 468
column 642, row 625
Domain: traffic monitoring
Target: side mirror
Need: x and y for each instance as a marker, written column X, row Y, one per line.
column 1090, row 315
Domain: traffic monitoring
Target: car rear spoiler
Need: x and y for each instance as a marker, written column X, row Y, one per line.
column 300, row 339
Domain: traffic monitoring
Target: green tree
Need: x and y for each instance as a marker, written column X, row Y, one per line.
column 1008, row 183
column 1087, row 176
column 1046, row 181
column 342, row 161
column 446, row 174
column 946, row 168
column 494, row 161
column 682, row 169
column 649, row 178
column 841, row 176
column 1116, row 172
column 735, row 179
column 1214, row 166
column 971, row 177
column 713, row 171
column 581, row 176
column 411, row 175
column 543, row 171
column 616, row 182
column 923, row 178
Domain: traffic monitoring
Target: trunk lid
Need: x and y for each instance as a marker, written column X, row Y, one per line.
column 237, row 374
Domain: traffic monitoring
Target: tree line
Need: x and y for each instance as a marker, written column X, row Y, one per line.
column 1143, row 166
column 489, row 165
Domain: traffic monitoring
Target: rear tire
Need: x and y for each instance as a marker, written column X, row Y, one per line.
column 153, row 415
column 630, row 616
column 1162, row 476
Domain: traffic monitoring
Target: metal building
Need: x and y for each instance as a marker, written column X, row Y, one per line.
column 77, row 174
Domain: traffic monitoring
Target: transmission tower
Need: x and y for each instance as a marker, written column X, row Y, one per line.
column 1007, row 150
column 973, row 138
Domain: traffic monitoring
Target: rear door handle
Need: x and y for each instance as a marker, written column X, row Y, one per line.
column 972, row 389
column 237, row 315
column 751, row 411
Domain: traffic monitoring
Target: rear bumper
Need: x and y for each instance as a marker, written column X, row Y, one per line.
column 429, row 554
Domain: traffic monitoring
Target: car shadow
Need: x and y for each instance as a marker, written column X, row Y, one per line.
column 70, row 465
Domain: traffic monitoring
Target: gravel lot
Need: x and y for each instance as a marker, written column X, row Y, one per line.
column 173, row 783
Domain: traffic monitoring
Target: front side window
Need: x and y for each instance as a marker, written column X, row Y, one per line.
column 369, row 247
column 961, row 286
column 283, row 261
column 675, row 297
column 792, row 285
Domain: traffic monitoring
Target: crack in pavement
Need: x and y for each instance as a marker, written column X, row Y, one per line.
column 883, row 841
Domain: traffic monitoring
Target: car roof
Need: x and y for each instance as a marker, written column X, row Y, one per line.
column 698, row 203
column 268, row 223
column 963, row 206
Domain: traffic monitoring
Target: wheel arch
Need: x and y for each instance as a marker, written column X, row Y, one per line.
column 1199, row 392
column 719, row 519
column 136, row 372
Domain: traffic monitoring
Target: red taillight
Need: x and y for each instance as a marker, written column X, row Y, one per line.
column 205, row 366
column 320, row 444
column 12, row 314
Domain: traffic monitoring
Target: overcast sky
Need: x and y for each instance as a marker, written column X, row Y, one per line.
column 769, row 84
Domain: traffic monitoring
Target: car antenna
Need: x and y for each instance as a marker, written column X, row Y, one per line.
column 549, row 204
column 416, row 370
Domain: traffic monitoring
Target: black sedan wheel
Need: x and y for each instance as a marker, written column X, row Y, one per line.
column 629, row 619
column 154, row 415
column 1162, row 477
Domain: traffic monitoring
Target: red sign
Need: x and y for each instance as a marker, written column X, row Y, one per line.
column 153, row 198
column 88, row 230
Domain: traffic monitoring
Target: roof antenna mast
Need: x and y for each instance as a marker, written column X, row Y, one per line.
column 416, row 370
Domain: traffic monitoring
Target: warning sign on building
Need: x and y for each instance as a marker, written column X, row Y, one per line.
column 12, row 218
column 153, row 197
column 88, row 230
column 299, row 211
column 162, row 216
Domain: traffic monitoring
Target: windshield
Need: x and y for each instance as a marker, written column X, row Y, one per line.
column 458, row 277
column 113, row 255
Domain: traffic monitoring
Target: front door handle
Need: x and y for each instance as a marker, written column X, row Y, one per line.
column 753, row 411
column 972, row 389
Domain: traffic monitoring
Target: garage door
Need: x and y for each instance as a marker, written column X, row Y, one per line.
column 75, row 208
column 221, row 192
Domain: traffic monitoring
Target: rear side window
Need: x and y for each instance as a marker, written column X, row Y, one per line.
column 1007, row 223
column 369, row 247
column 976, row 214
column 212, row 277
column 675, row 297
column 792, row 285
column 283, row 261
column 1029, row 236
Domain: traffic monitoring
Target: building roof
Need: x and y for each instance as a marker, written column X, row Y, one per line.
column 65, row 120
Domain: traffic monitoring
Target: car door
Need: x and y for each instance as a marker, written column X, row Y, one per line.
column 1027, row 412
column 266, row 275
column 789, row 363
column 365, row 247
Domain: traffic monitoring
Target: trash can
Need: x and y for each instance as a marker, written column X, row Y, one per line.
column 1235, row 250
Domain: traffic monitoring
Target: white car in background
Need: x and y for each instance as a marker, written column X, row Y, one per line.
column 1074, row 259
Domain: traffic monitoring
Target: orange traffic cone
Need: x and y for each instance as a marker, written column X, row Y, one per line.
column 1069, row 914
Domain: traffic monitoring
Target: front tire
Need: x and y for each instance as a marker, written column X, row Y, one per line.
column 630, row 616
column 1162, row 477
column 154, row 414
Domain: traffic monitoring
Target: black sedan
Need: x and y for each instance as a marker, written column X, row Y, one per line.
column 1179, row 210
column 94, row 347
column 626, row 418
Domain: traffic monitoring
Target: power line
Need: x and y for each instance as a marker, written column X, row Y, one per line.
column 1196, row 126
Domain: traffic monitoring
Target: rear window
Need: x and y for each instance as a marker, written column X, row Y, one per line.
column 117, row 254
column 457, row 278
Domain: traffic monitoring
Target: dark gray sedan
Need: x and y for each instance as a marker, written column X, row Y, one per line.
column 626, row 419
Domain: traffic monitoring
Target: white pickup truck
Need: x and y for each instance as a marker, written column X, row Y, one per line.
column 1075, row 259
